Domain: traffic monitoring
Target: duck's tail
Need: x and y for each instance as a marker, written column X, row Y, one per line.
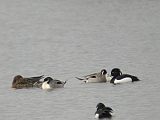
column 79, row 78
column 38, row 84
column 38, row 77
column 65, row 82
column 135, row 79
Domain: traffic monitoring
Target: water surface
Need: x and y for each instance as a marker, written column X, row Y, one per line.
column 64, row 39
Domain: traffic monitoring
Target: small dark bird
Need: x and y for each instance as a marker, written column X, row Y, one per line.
column 103, row 111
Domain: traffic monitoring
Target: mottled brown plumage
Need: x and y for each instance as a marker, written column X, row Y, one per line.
column 19, row 82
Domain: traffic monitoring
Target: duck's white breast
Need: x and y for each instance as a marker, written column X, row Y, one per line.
column 46, row 86
column 108, row 78
column 97, row 116
column 124, row 80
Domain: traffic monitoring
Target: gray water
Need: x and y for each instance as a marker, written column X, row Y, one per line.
column 68, row 38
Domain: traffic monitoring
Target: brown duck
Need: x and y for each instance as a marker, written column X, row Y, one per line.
column 19, row 82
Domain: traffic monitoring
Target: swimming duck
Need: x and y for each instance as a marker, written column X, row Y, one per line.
column 103, row 111
column 96, row 77
column 19, row 82
column 50, row 83
column 118, row 77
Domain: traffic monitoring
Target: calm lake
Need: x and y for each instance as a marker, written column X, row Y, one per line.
column 68, row 38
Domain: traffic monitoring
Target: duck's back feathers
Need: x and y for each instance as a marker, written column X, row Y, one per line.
column 22, row 83
column 59, row 82
column 124, row 78
column 134, row 78
column 35, row 79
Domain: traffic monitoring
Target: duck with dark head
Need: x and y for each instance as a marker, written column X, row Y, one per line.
column 118, row 77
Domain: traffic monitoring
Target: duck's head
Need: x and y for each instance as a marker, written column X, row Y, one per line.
column 49, row 79
column 17, row 77
column 100, row 105
column 103, row 71
column 116, row 72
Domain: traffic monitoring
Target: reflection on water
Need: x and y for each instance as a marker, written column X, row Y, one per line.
column 64, row 39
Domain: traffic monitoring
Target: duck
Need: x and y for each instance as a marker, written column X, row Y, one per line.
column 50, row 83
column 96, row 77
column 103, row 111
column 118, row 77
column 19, row 82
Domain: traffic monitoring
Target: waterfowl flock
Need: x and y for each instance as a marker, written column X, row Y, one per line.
column 116, row 77
column 48, row 83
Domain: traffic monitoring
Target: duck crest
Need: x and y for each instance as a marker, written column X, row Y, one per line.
column 116, row 72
